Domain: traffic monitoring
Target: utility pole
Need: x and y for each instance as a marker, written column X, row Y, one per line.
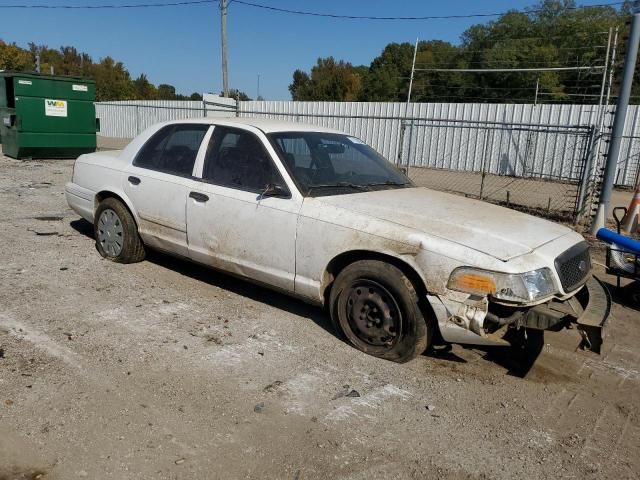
column 223, row 33
column 258, row 92
column 38, row 62
column 619, row 119
column 535, row 100
column 413, row 69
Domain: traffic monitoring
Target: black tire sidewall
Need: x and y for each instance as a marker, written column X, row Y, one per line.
column 413, row 333
column 132, row 249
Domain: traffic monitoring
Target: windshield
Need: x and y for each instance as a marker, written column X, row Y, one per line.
column 330, row 164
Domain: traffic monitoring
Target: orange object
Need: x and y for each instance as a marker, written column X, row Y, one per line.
column 630, row 220
column 478, row 283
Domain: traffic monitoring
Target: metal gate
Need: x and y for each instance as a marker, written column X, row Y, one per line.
column 542, row 169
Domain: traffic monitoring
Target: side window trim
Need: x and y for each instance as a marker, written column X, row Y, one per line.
column 198, row 167
column 171, row 128
column 214, row 143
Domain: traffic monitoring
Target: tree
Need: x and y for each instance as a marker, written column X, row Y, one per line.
column 550, row 34
column 166, row 92
column 144, row 89
column 112, row 81
column 300, row 88
column 329, row 80
column 389, row 73
column 13, row 57
column 237, row 95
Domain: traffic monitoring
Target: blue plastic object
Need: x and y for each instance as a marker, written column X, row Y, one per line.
column 620, row 240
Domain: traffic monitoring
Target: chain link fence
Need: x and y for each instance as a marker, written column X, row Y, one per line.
column 628, row 171
column 541, row 169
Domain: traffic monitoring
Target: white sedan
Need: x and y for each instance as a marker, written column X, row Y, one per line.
column 319, row 214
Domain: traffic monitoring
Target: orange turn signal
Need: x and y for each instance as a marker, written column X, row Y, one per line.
column 473, row 283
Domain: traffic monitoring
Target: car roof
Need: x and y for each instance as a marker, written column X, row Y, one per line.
column 267, row 125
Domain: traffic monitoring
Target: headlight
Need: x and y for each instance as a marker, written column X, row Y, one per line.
column 510, row 287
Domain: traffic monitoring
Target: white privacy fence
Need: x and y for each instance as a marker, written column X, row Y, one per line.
column 127, row 118
column 545, row 141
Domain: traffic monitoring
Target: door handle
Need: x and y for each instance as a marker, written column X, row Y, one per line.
column 199, row 197
column 134, row 180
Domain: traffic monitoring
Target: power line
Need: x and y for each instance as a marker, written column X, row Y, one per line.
column 519, row 50
column 429, row 17
column 483, row 70
column 111, row 6
column 481, row 87
column 462, row 98
column 547, row 37
column 289, row 11
column 501, row 63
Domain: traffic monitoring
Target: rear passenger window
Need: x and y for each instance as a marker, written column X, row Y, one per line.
column 173, row 149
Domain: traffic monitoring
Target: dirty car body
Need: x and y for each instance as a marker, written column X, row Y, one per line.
column 295, row 206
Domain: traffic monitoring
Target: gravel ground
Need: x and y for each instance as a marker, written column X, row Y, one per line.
column 167, row 370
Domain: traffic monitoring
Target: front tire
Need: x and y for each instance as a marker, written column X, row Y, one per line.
column 116, row 233
column 376, row 307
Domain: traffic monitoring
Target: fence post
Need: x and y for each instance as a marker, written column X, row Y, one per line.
column 591, row 148
column 484, row 158
column 400, row 144
column 137, row 121
column 409, row 148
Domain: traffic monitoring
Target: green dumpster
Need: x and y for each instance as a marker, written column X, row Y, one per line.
column 46, row 116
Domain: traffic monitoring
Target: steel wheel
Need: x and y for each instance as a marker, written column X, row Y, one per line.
column 373, row 313
column 110, row 232
column 375, row 307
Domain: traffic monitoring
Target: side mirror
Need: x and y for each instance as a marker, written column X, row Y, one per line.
column 275, row 190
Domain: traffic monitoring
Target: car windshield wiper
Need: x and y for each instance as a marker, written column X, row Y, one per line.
column 388, row 182
column 353, row 186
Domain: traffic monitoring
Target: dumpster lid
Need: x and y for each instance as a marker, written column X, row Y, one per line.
column 64, row 78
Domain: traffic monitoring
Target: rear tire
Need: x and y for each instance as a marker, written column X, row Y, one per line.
column 376, row 308
column 116, row 233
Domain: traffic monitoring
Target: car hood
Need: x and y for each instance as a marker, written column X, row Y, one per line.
column 500, row 232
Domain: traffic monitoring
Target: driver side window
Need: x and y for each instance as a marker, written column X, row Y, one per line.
column 237, row 159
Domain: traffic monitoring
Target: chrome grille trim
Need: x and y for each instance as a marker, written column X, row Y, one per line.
column 573, row 266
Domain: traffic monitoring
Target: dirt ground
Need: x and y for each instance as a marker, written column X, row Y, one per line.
column 167, row 370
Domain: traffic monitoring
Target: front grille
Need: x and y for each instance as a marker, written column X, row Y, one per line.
column 573, row 266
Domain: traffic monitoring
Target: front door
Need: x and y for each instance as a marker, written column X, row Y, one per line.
column 231, row 223
column 158, row 182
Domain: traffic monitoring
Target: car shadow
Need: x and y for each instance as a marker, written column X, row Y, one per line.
column 83, row 227
column 627, row 295
column 228, row 282
column 518, row 360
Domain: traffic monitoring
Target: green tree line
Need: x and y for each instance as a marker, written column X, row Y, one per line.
column 113, row 81
column 551, row 34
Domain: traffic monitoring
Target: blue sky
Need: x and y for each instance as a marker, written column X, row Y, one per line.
column 180, row 45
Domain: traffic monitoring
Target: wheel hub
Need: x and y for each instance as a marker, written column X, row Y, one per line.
column 373, row 313
column 110, row 232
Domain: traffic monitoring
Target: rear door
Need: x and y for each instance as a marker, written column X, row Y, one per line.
column 158, row 182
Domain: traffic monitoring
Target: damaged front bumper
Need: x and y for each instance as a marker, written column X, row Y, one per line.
column 589, row 309
column 484, row 323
